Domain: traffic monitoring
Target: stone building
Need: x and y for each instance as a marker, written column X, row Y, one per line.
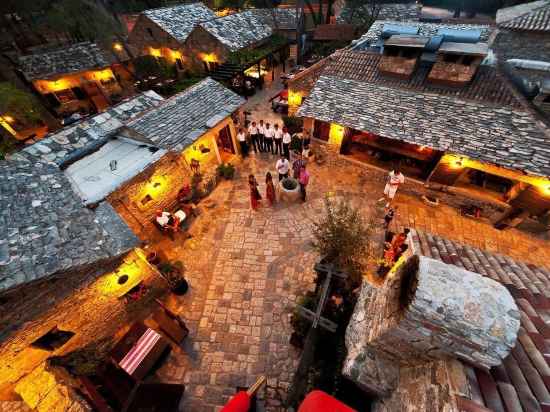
column 75, row 78
column 162, row 32
column 489, row 298
column 138, row 155
column 60, row 265
column 433, row 104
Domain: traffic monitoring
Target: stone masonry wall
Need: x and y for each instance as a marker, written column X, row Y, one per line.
column 85, row 302
column 199, row 44
column 161, row 181
column 140, row 40
column 521, row 45
column 433, row 310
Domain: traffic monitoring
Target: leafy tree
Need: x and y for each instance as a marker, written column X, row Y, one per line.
column 18, row 104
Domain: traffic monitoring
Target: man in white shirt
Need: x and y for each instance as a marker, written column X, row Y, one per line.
column 287, row 139
column 268, row 135
column 395, row 178
column 278, row 138
column 261, row 132
column 253, row 132
column 282, row 166
column 241, row 138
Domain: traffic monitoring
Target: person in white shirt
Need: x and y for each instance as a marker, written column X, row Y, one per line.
column 261, row 130
column 278, row 137
column 241, row 138
column 394, row 179
column 268, row 135
column 253, row 132
column 287, row 139
column 282, row 166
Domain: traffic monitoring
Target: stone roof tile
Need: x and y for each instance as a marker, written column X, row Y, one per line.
column 70, row 59
column 278, row 18
column 179, row 21
column 239, row 30
column 76, row 139
column 503, row 135
column 180, row 120
column 406, row 11
column 45, row 227
column 534, row 16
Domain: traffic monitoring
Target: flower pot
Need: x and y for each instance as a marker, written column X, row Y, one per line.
column 180, row 287
column 289, row 194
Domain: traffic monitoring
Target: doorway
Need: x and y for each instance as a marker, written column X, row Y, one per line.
column 225, row 143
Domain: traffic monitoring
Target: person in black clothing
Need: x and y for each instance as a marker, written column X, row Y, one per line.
column 390, row 214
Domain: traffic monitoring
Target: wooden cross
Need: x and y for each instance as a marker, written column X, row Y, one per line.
column 315, row 317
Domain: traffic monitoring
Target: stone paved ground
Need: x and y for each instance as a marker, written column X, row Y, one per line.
column 247, row 268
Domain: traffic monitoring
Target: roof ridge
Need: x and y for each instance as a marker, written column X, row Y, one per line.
column 174, row 6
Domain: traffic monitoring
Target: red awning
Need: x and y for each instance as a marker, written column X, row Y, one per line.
column 318, row 401
column 238, row 403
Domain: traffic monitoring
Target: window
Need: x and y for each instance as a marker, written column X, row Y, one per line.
column 451, row 58
column 53, row 340
column 150, row 31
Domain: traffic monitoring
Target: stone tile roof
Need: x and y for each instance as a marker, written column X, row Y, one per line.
column 397, row 11
column 179, row 21
column 285, row 18
column 70, row 59
column 504, row 135
column 534, row 16
column 523, row 380
column 45, row 227
column 331, row 32
column 180, row 120
column 424, row 29
column 75, row 140
column 239, row 30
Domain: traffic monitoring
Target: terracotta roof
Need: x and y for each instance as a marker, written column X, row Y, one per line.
column 522, row 382
column 70, row 59
column 534, row 16
column 363, row 66
column 179, row 21
column 330, row 32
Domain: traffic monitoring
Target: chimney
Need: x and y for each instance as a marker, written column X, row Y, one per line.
column 401, row 54
column 457, row 63
column 542, row 99
column 431, row 310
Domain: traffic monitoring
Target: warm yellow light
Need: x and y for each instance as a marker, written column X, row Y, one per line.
column 8, row 119
column 176, row 54
column 336, row 134
column 126, row 276
column 117, row 46
column 209, row 57
column 155, row 52
column 105, row 74
column 294, row 98
column 54, row 85
column 5, row 123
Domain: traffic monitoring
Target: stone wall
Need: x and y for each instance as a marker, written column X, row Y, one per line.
column 521, row 45
column 140, row 40
column 201, row 46
column 86, row 302
column 160, row 182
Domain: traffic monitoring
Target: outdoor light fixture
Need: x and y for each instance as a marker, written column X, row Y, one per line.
column 117, row 46
column 8, row 119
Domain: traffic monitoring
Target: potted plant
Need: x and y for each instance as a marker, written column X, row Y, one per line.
column 226, row 170
column 172, row 272
column 289, row 189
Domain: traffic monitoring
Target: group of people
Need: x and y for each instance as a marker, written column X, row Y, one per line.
column 283, row 166
column 266, row 138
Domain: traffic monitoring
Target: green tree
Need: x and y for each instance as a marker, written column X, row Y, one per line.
column 18, row 104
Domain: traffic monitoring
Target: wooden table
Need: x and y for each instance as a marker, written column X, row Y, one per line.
column 138, row 351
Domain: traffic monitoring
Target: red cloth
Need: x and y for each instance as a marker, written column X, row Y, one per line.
column 284, row 94
column 319, row 401
column 238, row 403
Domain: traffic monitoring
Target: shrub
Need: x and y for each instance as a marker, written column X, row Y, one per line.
column 344, row 238
column 226, row 170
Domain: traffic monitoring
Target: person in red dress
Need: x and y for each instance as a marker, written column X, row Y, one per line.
column 269, row 189
column 255, row 196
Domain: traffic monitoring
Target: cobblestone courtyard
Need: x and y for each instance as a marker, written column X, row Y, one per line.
column 247, row 269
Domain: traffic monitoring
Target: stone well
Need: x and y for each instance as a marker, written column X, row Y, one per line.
column 430, row 310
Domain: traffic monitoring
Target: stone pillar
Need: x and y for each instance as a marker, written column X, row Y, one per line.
column 431, row 310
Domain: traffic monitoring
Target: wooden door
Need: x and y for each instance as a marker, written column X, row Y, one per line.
column 224, row 140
